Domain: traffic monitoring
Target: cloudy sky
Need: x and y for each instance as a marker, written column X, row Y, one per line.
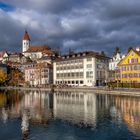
column 98, row 25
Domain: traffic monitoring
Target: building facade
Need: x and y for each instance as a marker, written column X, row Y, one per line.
column 79, row 69
column 129, row 67
column 113, row 62
column 3, row 57
column 38, row 74
column 113, row 66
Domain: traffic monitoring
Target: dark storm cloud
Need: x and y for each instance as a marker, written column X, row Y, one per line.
column 51, row 6
column 77, row 24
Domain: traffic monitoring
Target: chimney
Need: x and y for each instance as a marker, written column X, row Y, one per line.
column 137, row 49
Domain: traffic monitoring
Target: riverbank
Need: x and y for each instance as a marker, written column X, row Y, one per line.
column 25, row 88
column 100, row 90
column 123, row 92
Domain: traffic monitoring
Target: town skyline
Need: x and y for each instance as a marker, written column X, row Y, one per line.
column 79, row 25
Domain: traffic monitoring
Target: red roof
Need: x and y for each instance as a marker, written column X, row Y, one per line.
column 38, row 48
column 26, row 36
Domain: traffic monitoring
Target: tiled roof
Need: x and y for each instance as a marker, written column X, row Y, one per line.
column 82, row 55
column 16, row 55
column 26, row 36
column 49, row 52
column 38, row 49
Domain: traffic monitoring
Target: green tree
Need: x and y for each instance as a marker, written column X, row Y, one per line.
column 117, row 50
column 103, row 53
column 129, row 49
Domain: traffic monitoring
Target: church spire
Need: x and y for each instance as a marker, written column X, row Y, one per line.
column 25, row 42
column 26, row 36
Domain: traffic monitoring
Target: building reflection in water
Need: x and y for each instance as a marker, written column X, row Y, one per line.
column 82, row 109
column 130, row 111
column 79, row 108
column 33, row 108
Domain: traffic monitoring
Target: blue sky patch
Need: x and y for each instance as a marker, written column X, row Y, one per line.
column 6, row 7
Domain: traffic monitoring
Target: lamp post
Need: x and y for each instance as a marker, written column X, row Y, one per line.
column 116, row 75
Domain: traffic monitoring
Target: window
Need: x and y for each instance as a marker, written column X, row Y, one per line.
column 133, row 60
column 89, row 59
column 89, row 74
column 81, row 74
column 135, row 67
column 89, row 65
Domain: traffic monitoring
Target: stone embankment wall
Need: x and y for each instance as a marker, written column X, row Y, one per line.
column 123, row 92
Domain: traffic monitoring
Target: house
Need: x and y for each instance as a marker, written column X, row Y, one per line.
column 113, row 62
column 81, row 69
column 17, row 58
column 113, row 66
column 38, row 74
column 3, row 57
column 129, row 67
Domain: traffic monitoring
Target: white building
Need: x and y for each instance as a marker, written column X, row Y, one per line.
column 87, row 68
column 114, row 61
column 34, row 52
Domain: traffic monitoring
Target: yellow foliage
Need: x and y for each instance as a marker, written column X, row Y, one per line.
column 3, row 76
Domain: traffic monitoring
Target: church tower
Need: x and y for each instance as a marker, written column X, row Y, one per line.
column 25, row 42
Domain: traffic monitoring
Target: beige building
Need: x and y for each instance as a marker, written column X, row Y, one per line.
column 38, row 74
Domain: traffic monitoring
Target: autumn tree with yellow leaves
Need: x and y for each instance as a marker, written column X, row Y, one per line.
column 16, row 77
column 3, row 76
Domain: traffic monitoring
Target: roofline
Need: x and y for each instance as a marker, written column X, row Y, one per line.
column 87, row 54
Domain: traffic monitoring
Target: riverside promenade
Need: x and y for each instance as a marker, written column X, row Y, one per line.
column 99, row 90
column 102, row 90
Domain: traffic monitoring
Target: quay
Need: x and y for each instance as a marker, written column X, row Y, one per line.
column 100, row 90
column 122, row 92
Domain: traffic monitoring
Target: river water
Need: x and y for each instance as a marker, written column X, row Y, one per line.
column 36, row 115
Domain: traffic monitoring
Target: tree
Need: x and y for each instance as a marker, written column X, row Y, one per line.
column 117, row 50
column 16, row 77
column 3, row 76
column 103, row 53
column 129, row 49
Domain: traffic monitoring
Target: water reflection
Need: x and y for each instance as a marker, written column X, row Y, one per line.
column 78, row 108
column 130, row 110
column 89, row 110
column 31, row 107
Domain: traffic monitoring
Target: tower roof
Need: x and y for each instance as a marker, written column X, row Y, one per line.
column 26, row 36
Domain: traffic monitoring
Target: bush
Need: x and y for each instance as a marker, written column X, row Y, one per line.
column 123, row 85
